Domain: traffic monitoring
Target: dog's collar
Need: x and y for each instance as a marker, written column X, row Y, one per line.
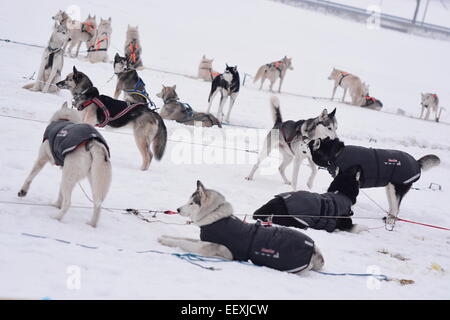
column 53, row 50
column 170, row 100
column 76, row 98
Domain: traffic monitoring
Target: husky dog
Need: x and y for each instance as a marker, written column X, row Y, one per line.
column 303, row 209
column 173, row 109
column 205, row 69
column 82, row 152
column 350, row 82
column 52, row 62
column 372, row 103
column 99, row 44
column 225, row 236
column 80, row 33
column 129, row 82
column 273, row 71
column 61, row 17
column 292, row 141
column 396, row 170
column 103, row 111
column 133, row 49
column 430, row 102
column 228, row 84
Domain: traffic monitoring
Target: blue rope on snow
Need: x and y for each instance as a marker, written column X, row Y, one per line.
column 381, row 277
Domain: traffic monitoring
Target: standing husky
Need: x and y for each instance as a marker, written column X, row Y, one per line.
column 292, row 141
column 205, row 69
column 129, row 82
column 225, row 236
column 396, row 170
column 82, row 152
column 52, row 62
column 133, row 49
column 350, row 82
column 228, row 84
column 303, row 209
column 81, row 33
column 430, row 102
column 103, row 111
column 99, row 44
column 173, row 109
column 273, row 71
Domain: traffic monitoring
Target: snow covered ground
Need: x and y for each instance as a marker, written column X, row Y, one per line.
column 174, row 36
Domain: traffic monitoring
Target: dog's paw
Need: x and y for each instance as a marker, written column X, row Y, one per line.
column 248, row 178
column 92, row 224
column 358, row 228
column 56, row 204
column 57, row 217
column 167, row 241
column 22, row 193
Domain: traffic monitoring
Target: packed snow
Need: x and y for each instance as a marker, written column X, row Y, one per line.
column 174, row 36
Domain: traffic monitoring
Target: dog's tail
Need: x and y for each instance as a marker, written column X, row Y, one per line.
column 275, row 106
column 429, row 161
column 259, row 73
column 101, row 172
column 160, row 140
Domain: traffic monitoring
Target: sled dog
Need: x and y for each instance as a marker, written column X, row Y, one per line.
column 348, row 81
column 133, row 49
column 273, row 71
column 430, row 103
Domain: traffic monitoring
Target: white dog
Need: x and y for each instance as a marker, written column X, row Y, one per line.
column 82, row 152
column 348, row 81
column 430, row 102
column 98, row 46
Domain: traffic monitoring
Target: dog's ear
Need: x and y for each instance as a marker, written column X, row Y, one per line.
column 75, row 71
column 316, row 144
column 109, row 20
column 323, row 115
column 358, row 175
column 174, row 87
column 65, row 105
column 116, row 57
column 332, row 114
column 201, row 189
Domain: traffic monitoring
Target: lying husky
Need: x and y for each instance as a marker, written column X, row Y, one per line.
column 82, row 152
column 292, row 142
column 104, row 111
column 372, row 103
column 173, row 109
column 99, row 44
column 430, row 102
column 303, row 209
column 273, row 71
column 205, row 70
column 52, row 62
column 350, row 82
column 133, row 49
column 396, row 170
column 225, row 236
column 228, row 84
column 129, row 82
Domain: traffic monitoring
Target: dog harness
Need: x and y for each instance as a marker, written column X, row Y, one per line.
column 314, row 207
column 370, row 101
column 87, row 27
column 110, row 110
column 65, row 136
column 139, row 89
column 275, row 247
column 378, row 166
column 98, row 44
column 133, row 47
column 343, row 75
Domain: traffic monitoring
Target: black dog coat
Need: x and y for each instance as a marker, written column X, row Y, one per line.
column 275, row 247
column 65, row 136
column 312, row 209
column 378, row 166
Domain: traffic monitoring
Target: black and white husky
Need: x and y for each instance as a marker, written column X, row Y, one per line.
column 100, row 110
column 292, row 141
column 82, row 152
column 228, row 84
column 224, row 235
column 396, row 170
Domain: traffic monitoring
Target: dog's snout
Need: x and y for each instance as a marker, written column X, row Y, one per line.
column 178, row 210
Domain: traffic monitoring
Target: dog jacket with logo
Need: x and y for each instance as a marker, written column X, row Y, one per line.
column 275, row 247
column 378, row 166
column 65, row 136
column 312, row 209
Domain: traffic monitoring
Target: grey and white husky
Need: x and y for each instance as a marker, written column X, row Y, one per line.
column 224, row 235
column 52, row 62
column 291, row 138
column 149, row 128
column 133, row 49
column 430, row 102
column 348, row 81
column 205, row 69
column 273, row 71
column 99, row 44
column 89, row 160
column 183, row 113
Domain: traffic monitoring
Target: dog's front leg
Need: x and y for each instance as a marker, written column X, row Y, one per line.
column 421, row 112
column 57, row 61
column 287, row 159
column 207, row 249
column 119, row 89
column 297, row 162
column 40, row 163
column 90, row 116
column 312, row 177
column 281, row 83
column 334, row 90
column 343, row 96
column 393, row 204
column 223, row 99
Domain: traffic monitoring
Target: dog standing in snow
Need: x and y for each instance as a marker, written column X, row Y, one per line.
column 82, row 152
column 348, row 81
column 273, row 71
column 205, row 70
column 224, row 235
column 430, row 102
column 99, row 44
column 52, row 62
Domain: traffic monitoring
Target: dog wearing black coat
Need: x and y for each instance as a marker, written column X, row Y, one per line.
column 328, row 211
column 396, row 170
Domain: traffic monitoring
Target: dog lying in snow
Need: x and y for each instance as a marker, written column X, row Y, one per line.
column 82, row 152
column 225, row 236
column 396, row 170
column 303, row 209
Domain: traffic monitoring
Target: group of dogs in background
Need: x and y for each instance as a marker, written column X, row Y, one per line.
column 72, row 142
